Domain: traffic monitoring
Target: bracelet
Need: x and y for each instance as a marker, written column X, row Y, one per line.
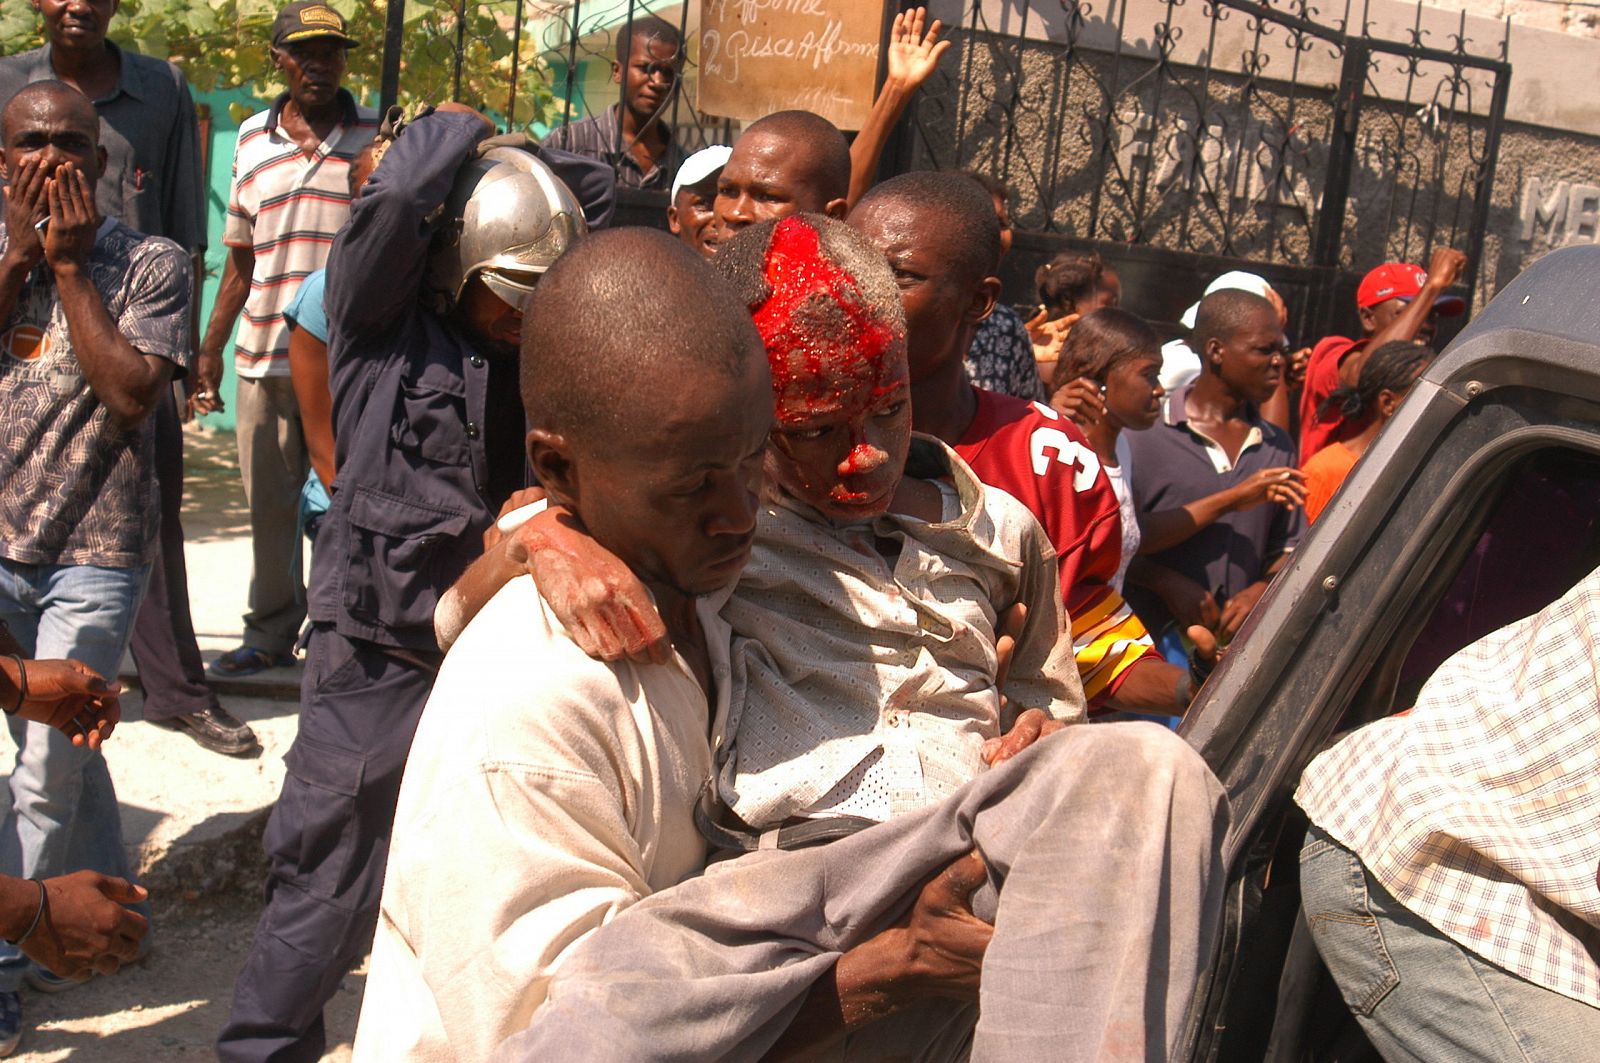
column 22, row 684
column 37, row 916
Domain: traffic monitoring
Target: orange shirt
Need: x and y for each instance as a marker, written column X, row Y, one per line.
column 1324, row 473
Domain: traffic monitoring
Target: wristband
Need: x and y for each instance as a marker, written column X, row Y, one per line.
column 22, row 684
column 37, row 916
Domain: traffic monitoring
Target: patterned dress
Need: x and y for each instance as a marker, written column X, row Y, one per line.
column 1001, row 357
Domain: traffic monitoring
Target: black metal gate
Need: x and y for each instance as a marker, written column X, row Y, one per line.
column 1180, row 138
column 1225, row 134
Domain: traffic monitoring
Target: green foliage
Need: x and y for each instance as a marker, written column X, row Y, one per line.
column 224, row 44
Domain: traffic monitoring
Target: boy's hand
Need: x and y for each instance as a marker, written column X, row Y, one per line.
column 599, row 600
column 1031, row 726
column 493, row 535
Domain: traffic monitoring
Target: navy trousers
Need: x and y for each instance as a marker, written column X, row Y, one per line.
column 327, row 840
column 164, row 650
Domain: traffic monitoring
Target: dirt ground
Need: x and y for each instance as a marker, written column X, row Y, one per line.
column 171, row 1005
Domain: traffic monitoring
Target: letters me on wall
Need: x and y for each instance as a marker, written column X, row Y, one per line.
column 761, row 56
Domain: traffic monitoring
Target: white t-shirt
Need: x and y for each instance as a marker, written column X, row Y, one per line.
column 1121, row 479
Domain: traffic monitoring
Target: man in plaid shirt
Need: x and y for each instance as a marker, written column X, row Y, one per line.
column 1450, row 874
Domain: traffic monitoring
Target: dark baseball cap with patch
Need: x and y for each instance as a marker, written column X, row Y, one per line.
column 308, row 20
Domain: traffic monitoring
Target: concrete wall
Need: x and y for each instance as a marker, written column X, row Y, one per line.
column 1238, row 187
column 1576, row 19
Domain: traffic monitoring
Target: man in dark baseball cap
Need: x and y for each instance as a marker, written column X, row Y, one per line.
column 1396, row 301
column 306, row 20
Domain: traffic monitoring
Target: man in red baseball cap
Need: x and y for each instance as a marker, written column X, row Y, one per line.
column 1396, row 301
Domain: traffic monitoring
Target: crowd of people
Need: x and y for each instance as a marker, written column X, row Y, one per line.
column 703, row 622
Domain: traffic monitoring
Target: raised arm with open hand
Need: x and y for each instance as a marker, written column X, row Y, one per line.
column 914, row 53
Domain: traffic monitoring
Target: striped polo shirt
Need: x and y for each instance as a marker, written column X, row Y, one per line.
column 287, row 205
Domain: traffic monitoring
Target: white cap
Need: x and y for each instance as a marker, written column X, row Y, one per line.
column 1233, row 279
column 706, row 162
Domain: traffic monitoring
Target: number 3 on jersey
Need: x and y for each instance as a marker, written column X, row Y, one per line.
column 1049, row 444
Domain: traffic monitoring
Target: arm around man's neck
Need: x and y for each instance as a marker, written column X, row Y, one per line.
column 605, row 608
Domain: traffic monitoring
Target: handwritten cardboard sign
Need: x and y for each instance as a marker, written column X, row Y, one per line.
column 761, row 56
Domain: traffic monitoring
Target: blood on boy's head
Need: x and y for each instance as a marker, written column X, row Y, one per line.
column 828, row 310
column 648, row 417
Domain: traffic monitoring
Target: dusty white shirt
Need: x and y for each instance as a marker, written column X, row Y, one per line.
column 544, row 793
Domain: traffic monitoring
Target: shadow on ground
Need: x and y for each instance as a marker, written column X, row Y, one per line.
column 172, row 1005
column 213, row 496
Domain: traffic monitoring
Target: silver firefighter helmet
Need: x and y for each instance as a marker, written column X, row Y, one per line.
column 508, row 217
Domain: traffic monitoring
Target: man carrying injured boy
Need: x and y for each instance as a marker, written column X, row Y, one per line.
column 864, row 688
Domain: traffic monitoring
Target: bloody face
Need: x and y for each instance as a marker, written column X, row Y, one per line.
column 840, row 383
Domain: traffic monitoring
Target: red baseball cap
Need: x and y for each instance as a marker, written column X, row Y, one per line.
column 1403, row 281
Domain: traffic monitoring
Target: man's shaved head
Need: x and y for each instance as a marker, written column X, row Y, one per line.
column 649, row 416
column 1224, row 314
column 591, row 345
column 957, row 214
column 49, row 97
column 825, row 155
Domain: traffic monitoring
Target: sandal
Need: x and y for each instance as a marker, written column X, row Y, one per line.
column 248, row 660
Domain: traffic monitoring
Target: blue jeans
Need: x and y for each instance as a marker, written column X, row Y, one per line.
column 1417, row 994
column 63, row 813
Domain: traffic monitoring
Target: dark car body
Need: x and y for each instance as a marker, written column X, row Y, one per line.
column 1477, row 504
